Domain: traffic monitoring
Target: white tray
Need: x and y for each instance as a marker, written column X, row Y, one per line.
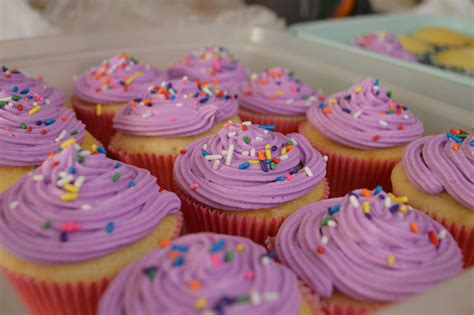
column 439, row 103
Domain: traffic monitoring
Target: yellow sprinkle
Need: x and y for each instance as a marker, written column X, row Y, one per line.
column 200, row 303
column 332, row 101
column 267, row 147
column 391, row 260
column 283, row 151
column 358, row 89
column 239, row 247
column 254, row 162
column 67, row 143
column 366, row 207
column 68, row 196
column 98, row 109
column 403, row 199
column 34, row 110
column 268, row 154
column 71, row 188
column 133, row 77
column 279, row 92
column 403, row 208
column 94, row 148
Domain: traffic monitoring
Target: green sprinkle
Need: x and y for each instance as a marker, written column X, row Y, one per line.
column 116, row 177
column 272, row 165
column 80, row 159
column 389, row 93
column 229, row 255
column 16, row 97
column 326, row 219
column 23, row 126
column 47, row 224
column 246, row 139
column 2, row 103
column 74, row 132
column 243, row 299
column 289, row 143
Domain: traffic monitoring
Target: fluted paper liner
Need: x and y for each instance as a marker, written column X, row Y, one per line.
column 284, row 125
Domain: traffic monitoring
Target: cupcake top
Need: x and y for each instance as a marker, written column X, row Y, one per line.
column 175, row 108
column 443, row 163
column 368, row 245
column 384, row 43
column 276, row 91
column 212, row 63
column 78, row 206
column 31, row 127
column 247, row 167
column 15, row 81
column 115, row 80
column 365, row 117
column 204, row 273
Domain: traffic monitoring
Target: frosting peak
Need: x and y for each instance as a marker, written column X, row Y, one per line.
column 365, row 117
column 384, row 43
column 368, row 245
column 246, row 166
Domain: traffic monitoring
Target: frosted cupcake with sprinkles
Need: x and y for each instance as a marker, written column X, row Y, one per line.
column 70, row 227
column 363, row 131
column 100, row 92
column 32, row 127
column 213, row 64
column 366, row 250
column 247, row 179
column 277, row 97
column 207, row 273
column 436, row 174
column 154, row 127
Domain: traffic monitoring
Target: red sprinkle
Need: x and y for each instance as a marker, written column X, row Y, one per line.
column 320, row 249
column 244, row 127
column 401, row 127
column 376, row 137
column 183, row 151
column 43, row 132
column 194, row 186
column 29, row 129
column 434, row 239
column 55, row 164
column 19, row 107
column 64, row 117
column 70, row 226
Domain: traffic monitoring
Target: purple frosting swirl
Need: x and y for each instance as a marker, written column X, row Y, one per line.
column 276, row 91
column 116, row 80
column 246, row 167
column 204, row 273
column 211, row 64
column 15, row 81
column 444, row 162
column 369, row 246
column 31, row 127
column 384, row 43
column 77, row 206
column 175, row 108
column 365, row 117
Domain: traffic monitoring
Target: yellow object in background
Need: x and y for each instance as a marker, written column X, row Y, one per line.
column 461, row 58
column 414, row 45
column 440, row 36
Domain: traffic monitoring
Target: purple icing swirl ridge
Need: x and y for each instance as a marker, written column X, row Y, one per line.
column 435, row 164
column 369, row 247
column 77, row 206
column 231, row 275
column 384, row 43
column 175, row 108
column 276, row 91
column 365, row 117
column 225, row 171
column 116, row 80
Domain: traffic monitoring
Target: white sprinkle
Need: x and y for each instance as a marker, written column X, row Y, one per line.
column 230, row 151
column 185, row 78
column 270, row 296
column 47, row 101
column 65, row 180
column 245, row 153
column 224, row 152
column 14, row 205
column 252, row 152
column 216, row 164
column 77, row 146
column 357, row 114
column 332, row 223
column 163, row 84
column 146, row 114
column 294, row 141
column 62, row 174
column 284, row 157
column 61, row 136
column 85, row 153
column 265, row 131
column 247, row 123
column 387, row 202
column 259, row 138
column 383, row 123
column 406, row 117
column 6, row 99
column 253, row 76
column 179, row 104
column 149, row 88
column 204, row 146
column 213, row 157
column 289, row 101
column 325, row 158
column 308, row 171
column 265, row 260
column 324, row 240
column 38, row 178
column 442, row 234
column 255, row 298
column 79, row 181
column 86, row 207
column 231, row 134
column 354, row 201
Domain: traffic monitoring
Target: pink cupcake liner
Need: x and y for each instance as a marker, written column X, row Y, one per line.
column 347, row 174
column 281, row 124
column 348, row 309
column 99, row 126
column 159, row 165
column 51, row 298
column 200, row 218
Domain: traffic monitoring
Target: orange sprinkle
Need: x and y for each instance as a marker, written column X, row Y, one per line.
column 288, row 148
column 434, row 239
column 414, row 228
column 262, row 81
column 51, row 154
column 64, row 117
column 366, row 193
column 456, row 146
column 194, row 285
column 174, row 255
column 261, row 156
column 165, row 243
column 327, row 110
column 133, row 104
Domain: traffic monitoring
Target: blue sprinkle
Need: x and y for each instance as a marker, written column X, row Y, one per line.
column 101, row 149
column 138, row 100
column 346, row 110
column 122, row 83
column 368, row 215
column 39, row 123
column 131, row 184
column 471, row 143
column 110, row 227
column 323, row 105
column 272, row 255
column 117, row 165
column 29, row 97
column 227, row 97
column 48, row 122
column 267, row 127
column 172, row 97
column 454, row 137
column 72, row 170
column 179, row 248
column 218, row 246
column 150, row 272
column 293, row 171
column 153, row 91
column 334, row 209
column 264, row 166
column 205, row 153
column 25, row 91
column 348, row 97
column 268, row 162
column 280, row 179
column 63, row 237
column 4, row 69
column 377, row 189
column 394, row 208
column 244, row 165
column 274, row 148
column 376, row 82
column 203, row 100
column 169, row 85
column 178, row 261
column 382, row 197
column 15, row 89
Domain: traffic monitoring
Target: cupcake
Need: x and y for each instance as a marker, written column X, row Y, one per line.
column 70, row 227
column 246, row 180
column 365, row 250
column 31, row 127
column 105, row 89
column 154, row 127
column 456, row 59
column 206, row 273
column 385, row 44
column 441, row 37
column 213, row 64
column 363, row 131
column 276, row 97
column 436, row 174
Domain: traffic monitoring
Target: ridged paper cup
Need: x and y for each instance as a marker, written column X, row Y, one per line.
column 201, row 218
column 334, row 306
column 283, row 124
